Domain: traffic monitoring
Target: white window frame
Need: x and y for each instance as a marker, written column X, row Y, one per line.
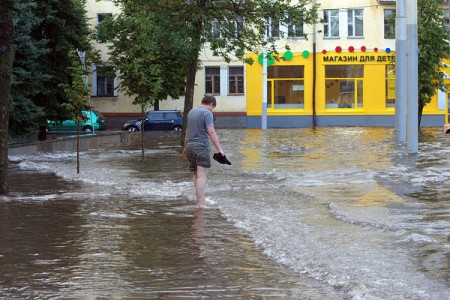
column 387, row 26
column 353, row 25
column 213, row 91
column 238, row 24
column 291, row 27
column 98, row 23
column 215, row 27
column 271, row 29
column 235, row 76
column 94, row 82
column 331, row 23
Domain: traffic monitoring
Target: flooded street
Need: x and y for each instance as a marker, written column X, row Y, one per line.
column 331, row 213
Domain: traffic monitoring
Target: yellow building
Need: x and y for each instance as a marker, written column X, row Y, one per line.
column 345, row 78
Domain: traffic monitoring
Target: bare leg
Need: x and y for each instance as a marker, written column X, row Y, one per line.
column 200, row 184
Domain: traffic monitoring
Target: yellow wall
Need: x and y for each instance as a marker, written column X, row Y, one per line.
column 374, row 84
column 254, row 77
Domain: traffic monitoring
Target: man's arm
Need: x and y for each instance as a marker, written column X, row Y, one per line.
column 214, row 139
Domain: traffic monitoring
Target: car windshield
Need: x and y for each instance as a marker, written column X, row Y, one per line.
column 99, row 114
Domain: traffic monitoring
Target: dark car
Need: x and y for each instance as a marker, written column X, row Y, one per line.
column 157, row 120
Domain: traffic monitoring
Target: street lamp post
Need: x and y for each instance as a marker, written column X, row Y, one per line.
column 412, row 134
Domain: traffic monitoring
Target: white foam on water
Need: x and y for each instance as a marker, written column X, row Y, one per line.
column 96, row 172
column 354, row 245
column 109, row 215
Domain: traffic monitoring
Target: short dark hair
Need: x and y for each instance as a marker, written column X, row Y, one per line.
column 208, row 99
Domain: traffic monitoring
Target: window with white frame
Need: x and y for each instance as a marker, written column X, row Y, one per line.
column 331, row 23
column 215, row 29
column 100, row 19
column 238, row 26
column 389, row 23
column 277, row 29
column 212, row 80
column 355, row 22
column 234, row 26
column 104, row 81
column 236, row 80
column 273, row 28
column 295, row 29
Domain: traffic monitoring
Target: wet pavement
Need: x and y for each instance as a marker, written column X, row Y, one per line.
column 331, row 213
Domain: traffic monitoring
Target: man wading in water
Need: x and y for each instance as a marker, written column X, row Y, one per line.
column 200, row 129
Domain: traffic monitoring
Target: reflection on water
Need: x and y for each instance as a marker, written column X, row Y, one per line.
column 331, row 213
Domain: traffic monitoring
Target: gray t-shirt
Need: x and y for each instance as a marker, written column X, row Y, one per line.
column 198, row 120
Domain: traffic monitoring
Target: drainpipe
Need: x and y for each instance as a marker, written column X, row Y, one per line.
column 314, row 75
column 264, row 91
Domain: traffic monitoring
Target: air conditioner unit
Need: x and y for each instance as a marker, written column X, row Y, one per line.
column 387, row 1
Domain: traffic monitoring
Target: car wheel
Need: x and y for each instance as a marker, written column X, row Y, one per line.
column 132, row 128
column 87, row 129
column 177, row 128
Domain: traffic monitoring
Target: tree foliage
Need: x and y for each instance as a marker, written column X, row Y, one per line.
column 77, row 95
column 76, row 90
column 433, row 42
column 28, row 77
column 45, row 33
column 195, row 19
column 147, row 50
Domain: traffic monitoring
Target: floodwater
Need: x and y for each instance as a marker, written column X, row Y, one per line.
column 331, row 213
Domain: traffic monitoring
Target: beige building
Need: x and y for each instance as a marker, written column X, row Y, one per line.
column 355, row 37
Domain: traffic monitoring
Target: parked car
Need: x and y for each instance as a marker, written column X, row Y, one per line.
column 157, row 120
column 93, row 121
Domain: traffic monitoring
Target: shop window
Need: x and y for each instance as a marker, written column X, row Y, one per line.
column 344, row 86
column 285, row 87
column 212, row 80
column 236, row 80
column 105, row 79
column 331, row 23
column 390, row 85
column 355, row 22
column 389, row 23
column 100, row 36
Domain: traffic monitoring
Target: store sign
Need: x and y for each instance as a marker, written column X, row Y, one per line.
column 359, row 59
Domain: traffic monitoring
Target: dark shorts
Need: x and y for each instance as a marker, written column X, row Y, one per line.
column 199, row 156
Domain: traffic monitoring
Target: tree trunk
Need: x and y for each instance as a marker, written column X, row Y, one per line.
column 189, row 94
column 420, row 112
column 142, row 131
column 6, row 64
column 192, row 67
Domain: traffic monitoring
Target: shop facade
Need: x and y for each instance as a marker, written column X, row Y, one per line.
column 335, row 88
